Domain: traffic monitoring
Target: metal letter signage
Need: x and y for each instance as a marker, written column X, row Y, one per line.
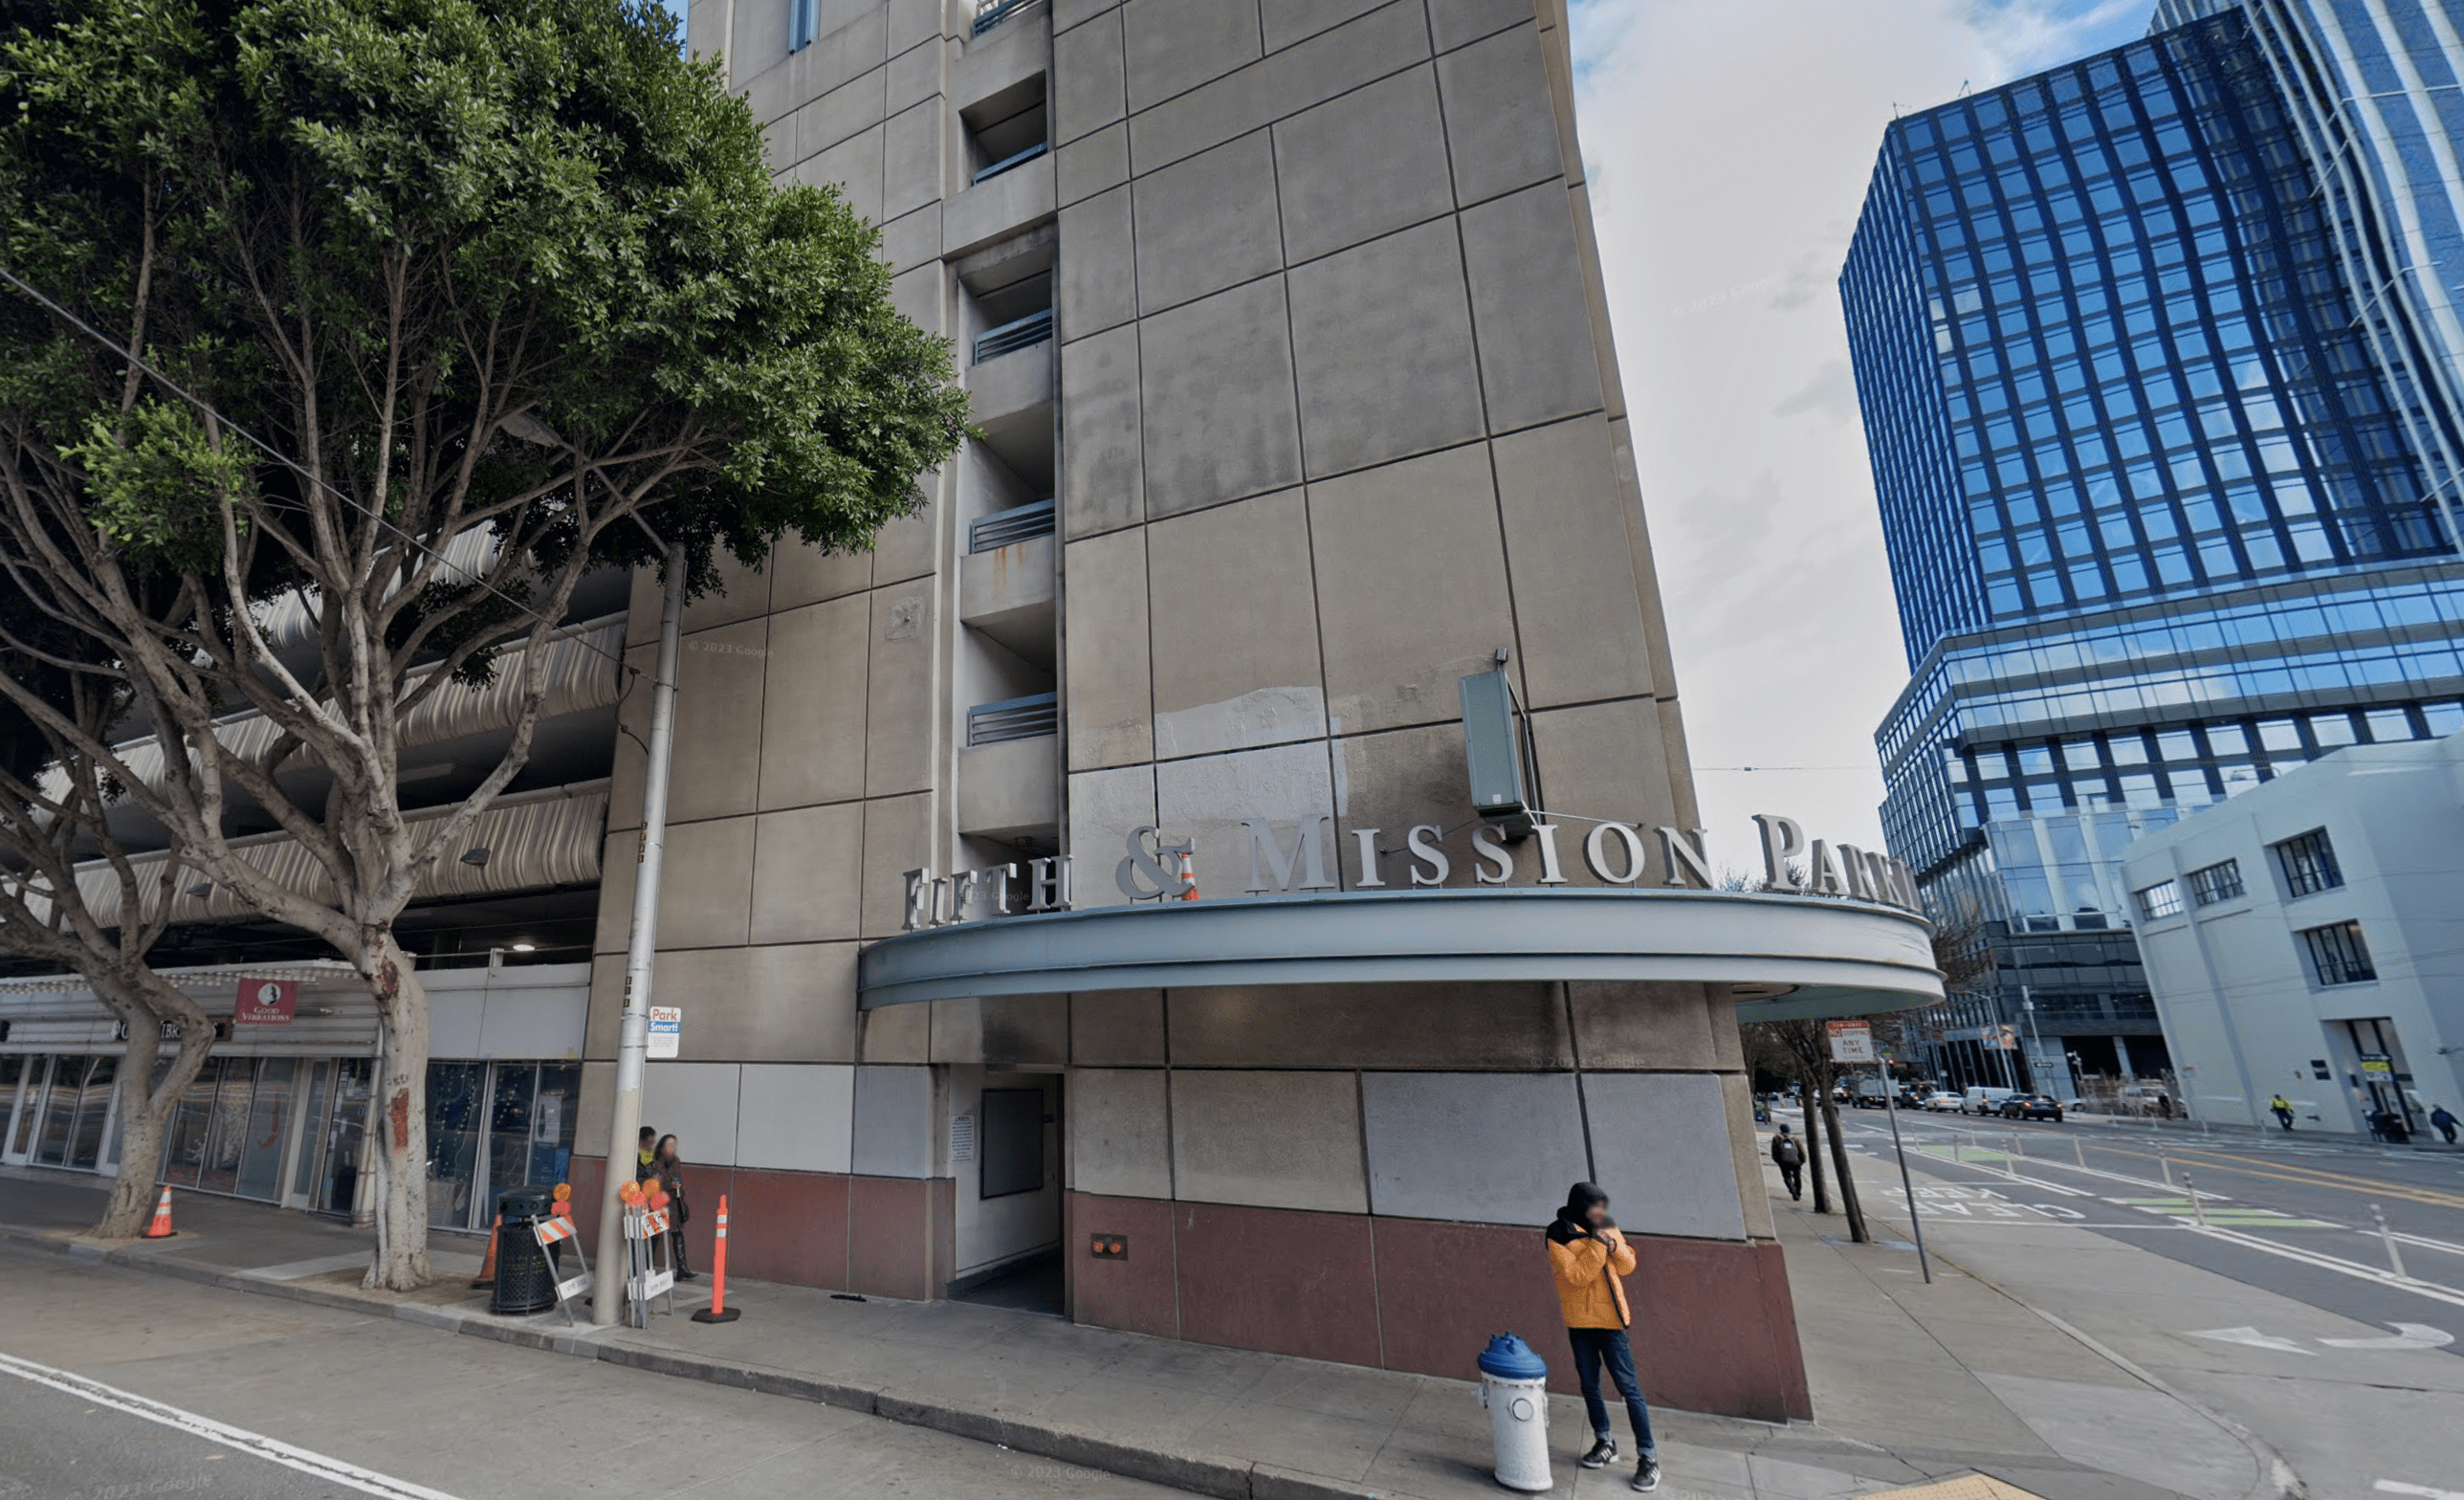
column 1143, row 875
column 946, row 900
column 1308, row 853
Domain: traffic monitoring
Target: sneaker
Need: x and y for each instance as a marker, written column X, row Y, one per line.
column 1602, row 1451
column 1647, row 1476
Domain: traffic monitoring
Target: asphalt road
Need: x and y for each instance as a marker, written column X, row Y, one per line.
column 2293, row 1215
column 116, row 1385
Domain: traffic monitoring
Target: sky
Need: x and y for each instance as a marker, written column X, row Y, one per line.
column 1728, row 144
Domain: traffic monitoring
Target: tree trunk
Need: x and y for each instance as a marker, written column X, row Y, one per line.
column 1856, row 1230
column 399, row 1262
column 144, row 1116
column 1814, row 1151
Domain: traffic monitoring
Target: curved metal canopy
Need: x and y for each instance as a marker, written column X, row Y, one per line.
column 1793, row 956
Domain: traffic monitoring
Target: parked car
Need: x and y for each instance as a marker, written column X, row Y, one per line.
column 1941, row 1101
column 1982, row 1100
column 2032, row 1107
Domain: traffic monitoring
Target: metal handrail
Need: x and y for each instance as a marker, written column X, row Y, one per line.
column 990, row 13
column 1017, row 334
column 1015, row 158
column 1006, row 528
column 1036, row 714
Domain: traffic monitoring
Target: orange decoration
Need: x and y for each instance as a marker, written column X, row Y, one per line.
column 564, row 1192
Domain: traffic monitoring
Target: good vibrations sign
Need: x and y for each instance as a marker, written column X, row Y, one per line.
column 1158, row 868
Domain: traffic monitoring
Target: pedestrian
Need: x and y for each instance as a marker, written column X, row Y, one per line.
column 2443, row 1121
column 1788, row 1154
column 2282, row 1109
column 1589, row 1256
column 643, row 1148
column 667, row 1171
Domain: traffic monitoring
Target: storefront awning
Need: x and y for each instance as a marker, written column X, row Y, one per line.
column 1789, row 955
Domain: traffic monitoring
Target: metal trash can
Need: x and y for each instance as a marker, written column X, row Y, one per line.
column 525, row 1282
column 1514, row 1387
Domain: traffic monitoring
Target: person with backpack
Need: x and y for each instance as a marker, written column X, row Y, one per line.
column 2443, row 1120
column 1788, row 1154
column 1589, row 1258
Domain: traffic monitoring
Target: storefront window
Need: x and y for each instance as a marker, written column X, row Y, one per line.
column 13, row 1070
column 185, row 1152
column 269, row 1127
column 454, row 1102
column 93, row 1111
column 337, row 1189
column 227, row 1127
column 59, row 1111
column 552, row 1120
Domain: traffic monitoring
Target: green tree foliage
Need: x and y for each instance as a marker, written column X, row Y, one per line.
column 437, row 305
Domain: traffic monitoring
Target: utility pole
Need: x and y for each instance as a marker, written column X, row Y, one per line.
column 633, row 1034
column 2035, row 1038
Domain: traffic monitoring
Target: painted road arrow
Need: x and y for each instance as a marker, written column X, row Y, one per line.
column 2251, row 1337
column 2407, row 1336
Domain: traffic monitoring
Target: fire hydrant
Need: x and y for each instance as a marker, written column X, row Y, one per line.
column 1514, row 1387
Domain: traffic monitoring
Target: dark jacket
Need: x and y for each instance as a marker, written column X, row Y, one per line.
column 1786, row 1151
column 670, row 1175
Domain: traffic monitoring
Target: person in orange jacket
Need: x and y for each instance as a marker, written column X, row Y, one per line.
column 1588, row 1257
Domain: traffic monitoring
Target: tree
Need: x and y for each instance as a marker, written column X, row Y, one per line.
column 1809, row 1045
column 54, row 809
column 430, row 307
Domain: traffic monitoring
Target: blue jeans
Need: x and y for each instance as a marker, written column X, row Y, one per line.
column 1594, row 1346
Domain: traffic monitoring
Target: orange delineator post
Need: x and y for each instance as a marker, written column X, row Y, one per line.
column 718, row 1311
column 161, row 1229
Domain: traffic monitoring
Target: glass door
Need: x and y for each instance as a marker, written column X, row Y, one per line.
column 93, row 1113
column 12, row 1078
column 456, row 1101
column 335, row 1189
column 312, row 1135
column 269, row 1127
column 184, row 1150
column 59, row 1111
column 227, row 1127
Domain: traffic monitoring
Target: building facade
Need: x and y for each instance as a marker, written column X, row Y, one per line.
column 2304, row 942
column 1080, row 900
column 2163, row 448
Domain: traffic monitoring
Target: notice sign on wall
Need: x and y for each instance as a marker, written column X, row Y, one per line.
column 266, row 1003
column 667, row 1029
column 1851, row 1041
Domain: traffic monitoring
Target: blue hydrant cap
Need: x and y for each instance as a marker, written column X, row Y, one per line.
column 1510, row 1358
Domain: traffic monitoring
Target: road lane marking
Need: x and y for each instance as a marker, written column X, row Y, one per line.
column 2343, row 1267
column 256, row 1444
column 2252, row 1337
column 2397, row 1487
column 2307, row 1176
column 2407, row 1336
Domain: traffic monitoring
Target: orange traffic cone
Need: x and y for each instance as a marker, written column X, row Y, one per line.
column 1188, row 877
column 718, row 1311
column 487, row 1277
column 161, row 1227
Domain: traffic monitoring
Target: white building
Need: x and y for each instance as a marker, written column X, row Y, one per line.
column 2307, row 938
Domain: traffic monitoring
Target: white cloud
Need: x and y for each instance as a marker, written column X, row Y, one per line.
column 1729, row 143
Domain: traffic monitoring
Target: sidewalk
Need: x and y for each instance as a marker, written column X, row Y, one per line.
column 1908, row 1389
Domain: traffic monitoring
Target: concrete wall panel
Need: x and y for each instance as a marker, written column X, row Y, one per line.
column 1361, row 164
column 853, row 167
column 1486, row 1148
column 897, row 838
column 706, row 895
column 1371, row 1025
column 1120, row 1132
column 1500, row 120
column 1288, row 21
column 813, row 705
column 1453, row 23
column 1105, row 628
column 1273, row 1140
column 1086, row 78
column 1206, row 222
column 1104, row 806
column 1233, row 582
column 803, row 574
column 893, row 1121
column 799, row 1005
column 694, row 1102
column 1206, row 799
column 719, row 724
column 1378, row 320
column 798, row 1118
column 1660, row 1146
column 1411, row 587
column 1527, row 296
column 807, row 874
column 1646, row 1026
column 1095, row 287
column 1221, row 416
column 1092, row 164
column 900, row 690
column 1578, row 615
column 1113, row 1029
column 1102, row 465
column 1605, row 760
column 1174, row 45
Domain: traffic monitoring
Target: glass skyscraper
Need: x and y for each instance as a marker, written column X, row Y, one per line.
column 2156, row 353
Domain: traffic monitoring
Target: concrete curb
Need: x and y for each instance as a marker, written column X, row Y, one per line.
column 1202, row 1473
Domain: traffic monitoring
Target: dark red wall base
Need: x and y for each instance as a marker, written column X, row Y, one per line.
column 1715, row 1329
